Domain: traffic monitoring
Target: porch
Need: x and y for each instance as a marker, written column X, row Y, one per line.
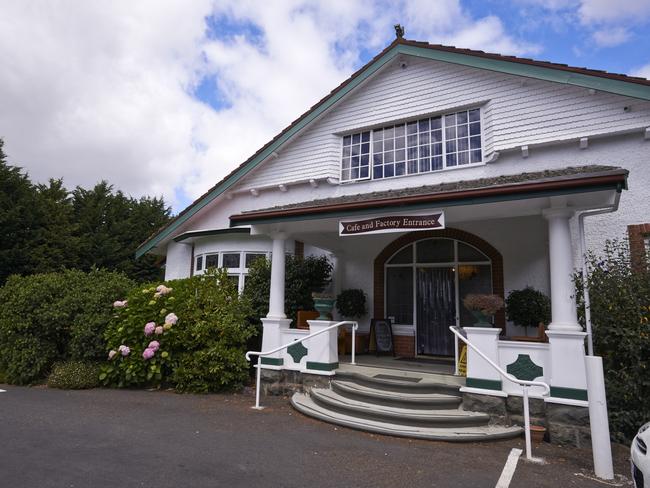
column 494, row 237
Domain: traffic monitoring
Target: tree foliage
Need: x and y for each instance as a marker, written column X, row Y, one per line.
column 48, row 228
column 303, row 276
column 620, row 315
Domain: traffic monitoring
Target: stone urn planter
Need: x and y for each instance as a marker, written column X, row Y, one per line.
column 482, row 307
column 324, row 305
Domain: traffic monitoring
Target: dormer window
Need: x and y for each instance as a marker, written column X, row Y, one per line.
column 420, row 146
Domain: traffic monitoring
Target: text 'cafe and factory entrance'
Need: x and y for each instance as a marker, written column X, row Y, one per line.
column 426, row 279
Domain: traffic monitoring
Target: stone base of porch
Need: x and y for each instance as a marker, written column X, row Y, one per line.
column 288, row 382
column 566, row 425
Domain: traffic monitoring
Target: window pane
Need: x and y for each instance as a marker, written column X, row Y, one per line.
column 356, row 138
column 474, row 115
column 435, row 251
column 472, row 279
column 231, row 260
column 252, row 257
column 199, row 263
column 399, row 295
column 400, row 169
column 212, row 261
column 365, row 136
column 347, row 140
column 234, row 279
column 469, row 253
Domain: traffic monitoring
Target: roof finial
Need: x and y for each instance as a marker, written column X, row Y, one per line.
column 399, row 31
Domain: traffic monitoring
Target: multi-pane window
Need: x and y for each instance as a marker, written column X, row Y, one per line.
column 421, row 146
column 236, row 263
column 355, row 163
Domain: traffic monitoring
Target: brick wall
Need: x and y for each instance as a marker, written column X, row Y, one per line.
column 637, row 235
column 404, row 346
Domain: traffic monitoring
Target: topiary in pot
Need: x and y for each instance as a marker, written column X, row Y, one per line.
column 351, row 304
column 528, row 307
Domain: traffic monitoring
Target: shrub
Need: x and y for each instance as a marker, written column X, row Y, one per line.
column 187, row 333
column 55, row 317
column 620, row 315
column 303, row 276
column 528, row 307
column 351, row 303
column 74, row 375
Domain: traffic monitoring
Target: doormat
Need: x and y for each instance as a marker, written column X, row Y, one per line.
column 446, row 362
column 400, row 378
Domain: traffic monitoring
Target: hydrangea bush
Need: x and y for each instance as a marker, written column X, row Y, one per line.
column 190, row 334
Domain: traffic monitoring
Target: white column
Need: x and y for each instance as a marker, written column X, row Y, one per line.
column 276, row 295
column 480, row 374
column 563, row 305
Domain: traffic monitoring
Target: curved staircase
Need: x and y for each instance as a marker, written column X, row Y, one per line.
column 404, row 406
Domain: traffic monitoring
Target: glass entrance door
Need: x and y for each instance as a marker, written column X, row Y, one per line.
column 436, row 310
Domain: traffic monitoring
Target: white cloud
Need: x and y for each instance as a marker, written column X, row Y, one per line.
column 609, row 11
column 642, row 71
column 610, row 37
column 93, row 90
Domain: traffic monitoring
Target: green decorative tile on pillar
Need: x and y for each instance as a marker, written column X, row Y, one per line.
column 297, row 352
column 524, row 368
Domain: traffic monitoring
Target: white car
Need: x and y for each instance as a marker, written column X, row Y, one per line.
column 641, row 458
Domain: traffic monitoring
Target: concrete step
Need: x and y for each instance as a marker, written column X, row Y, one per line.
column 387, row 382
column 306, row 405
column 334, row 401
column 417, row 400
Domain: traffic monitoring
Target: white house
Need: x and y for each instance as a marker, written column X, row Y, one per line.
column 431, row 173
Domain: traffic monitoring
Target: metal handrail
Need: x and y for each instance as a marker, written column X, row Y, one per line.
column 525, row 384
column 261, row 354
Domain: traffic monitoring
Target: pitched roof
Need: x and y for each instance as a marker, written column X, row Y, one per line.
column 555, row 72
column 569, row 179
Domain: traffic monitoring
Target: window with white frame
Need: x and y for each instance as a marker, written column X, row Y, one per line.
column 237, row 263
column 420, row 146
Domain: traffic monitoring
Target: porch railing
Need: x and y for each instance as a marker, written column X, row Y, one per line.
column 261, row 354
column 525, row 384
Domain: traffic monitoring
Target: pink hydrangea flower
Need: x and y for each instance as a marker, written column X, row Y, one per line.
column 162, row 290
column 149, row 328
column 171, row 318
column 148, row 353
column 154, row 346
column 119, row 303
column 124, row 350
column 159, row 330
column 112, row 353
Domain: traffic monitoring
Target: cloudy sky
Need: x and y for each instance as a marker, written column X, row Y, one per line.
column 165, row 97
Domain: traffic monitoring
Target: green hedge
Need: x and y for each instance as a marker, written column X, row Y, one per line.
column 620, row 315
column 52, row 317
column 190, row 334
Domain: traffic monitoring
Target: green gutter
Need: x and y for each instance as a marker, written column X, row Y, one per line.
column 418, row 206
column 548, row 74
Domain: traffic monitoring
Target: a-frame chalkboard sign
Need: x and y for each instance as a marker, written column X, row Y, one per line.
column 382, row 332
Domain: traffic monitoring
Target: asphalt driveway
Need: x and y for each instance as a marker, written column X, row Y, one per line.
column 108, row 438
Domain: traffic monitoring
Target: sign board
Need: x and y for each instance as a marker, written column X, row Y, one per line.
column 462, row 361
column 381, row 224
column 383, row 334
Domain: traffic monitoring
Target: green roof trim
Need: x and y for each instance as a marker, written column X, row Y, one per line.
column 619, row 87
column 214, row 232
column 398, row 47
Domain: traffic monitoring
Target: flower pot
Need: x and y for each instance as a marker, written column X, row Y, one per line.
column 537, row 433
column 482, row 320
column 324, row 307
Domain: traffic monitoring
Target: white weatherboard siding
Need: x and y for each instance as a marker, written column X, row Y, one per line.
column 516, row 111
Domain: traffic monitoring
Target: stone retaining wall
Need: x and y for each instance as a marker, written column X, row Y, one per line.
column 287, row 382
column 565, row 424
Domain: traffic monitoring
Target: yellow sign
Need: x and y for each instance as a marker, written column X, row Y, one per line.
column 462, row 361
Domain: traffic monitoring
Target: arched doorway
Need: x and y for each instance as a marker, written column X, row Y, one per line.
column 424, row 278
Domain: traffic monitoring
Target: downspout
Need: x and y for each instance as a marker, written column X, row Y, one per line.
column 583, row 249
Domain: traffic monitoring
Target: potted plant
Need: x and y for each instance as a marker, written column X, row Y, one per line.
column 351, row 304
column 528, row 307
column 482, row 307
column 323, row 302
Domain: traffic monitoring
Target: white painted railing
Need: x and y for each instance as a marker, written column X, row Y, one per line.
column 261, row 354
column 525, row 384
